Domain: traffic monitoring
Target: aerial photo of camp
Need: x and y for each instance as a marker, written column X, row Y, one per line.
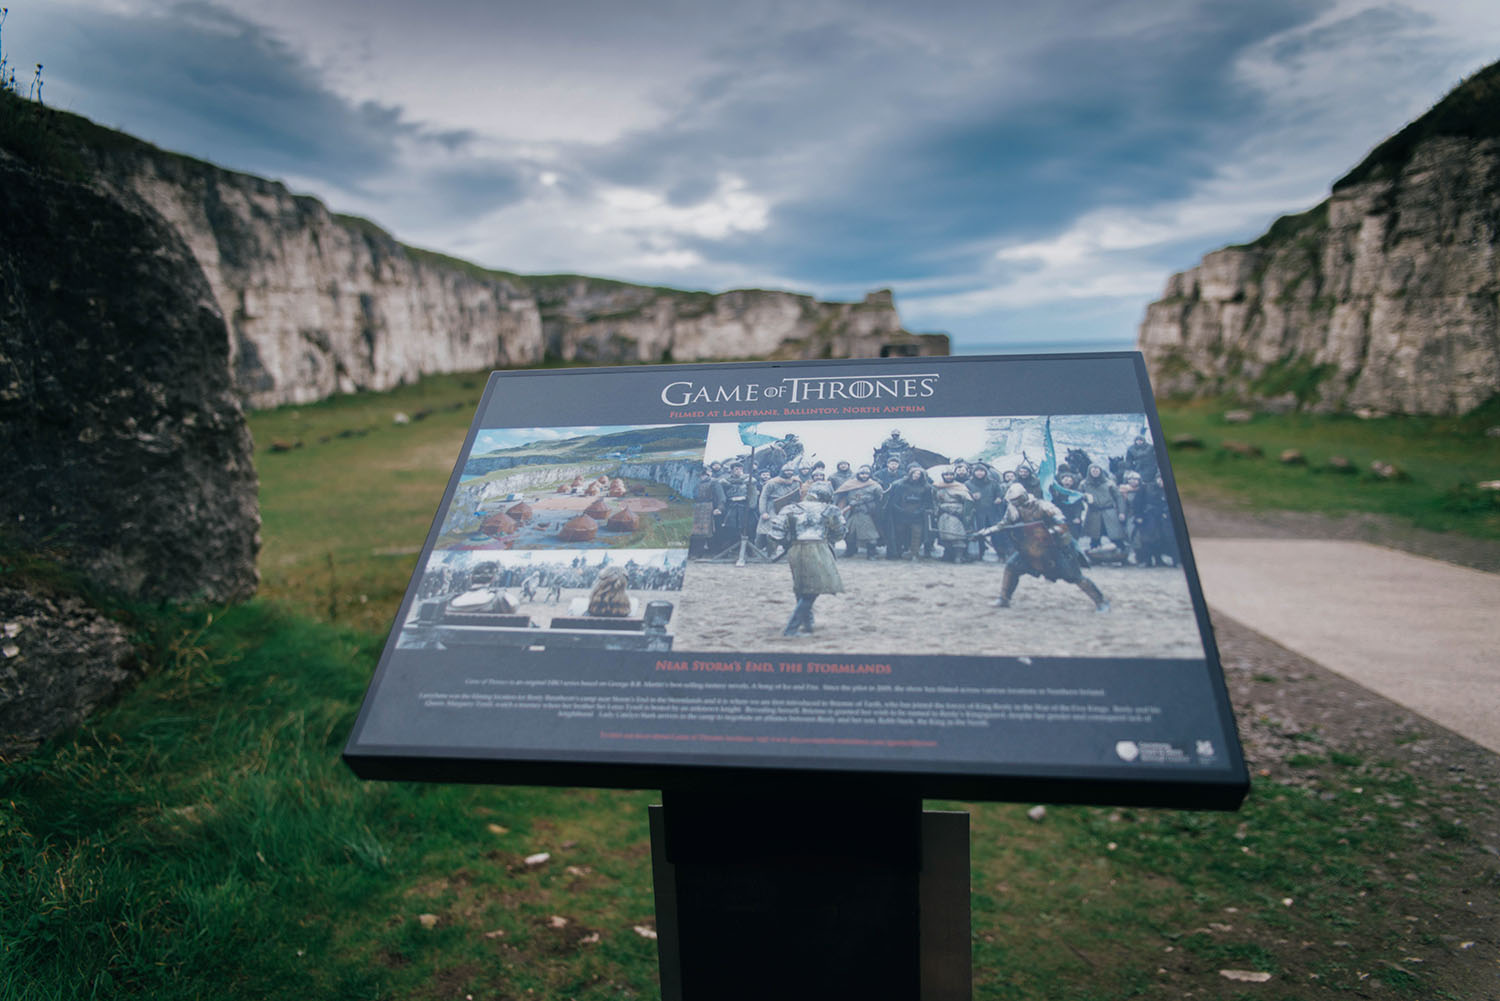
column 576, row 488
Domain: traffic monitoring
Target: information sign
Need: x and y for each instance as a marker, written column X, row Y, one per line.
column 968, row 576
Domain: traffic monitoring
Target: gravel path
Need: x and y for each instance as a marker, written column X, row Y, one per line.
column 1286, row 705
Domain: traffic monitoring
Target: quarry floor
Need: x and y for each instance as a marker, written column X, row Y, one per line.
column 1373, row 639
column 1403, row 619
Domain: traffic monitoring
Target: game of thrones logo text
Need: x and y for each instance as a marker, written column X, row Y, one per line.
column 814, row 394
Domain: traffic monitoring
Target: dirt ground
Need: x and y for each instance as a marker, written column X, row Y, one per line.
column 573, row 505
column 900, row 607
column 552, row 510
column 1286, row 704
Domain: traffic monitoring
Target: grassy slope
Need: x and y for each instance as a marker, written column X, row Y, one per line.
column 202, row 839
column 344, row 517
column 1444, row 458
column 1469, row 111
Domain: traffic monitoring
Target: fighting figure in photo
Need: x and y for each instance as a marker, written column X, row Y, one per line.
column 811, row 528
column 1044, row 547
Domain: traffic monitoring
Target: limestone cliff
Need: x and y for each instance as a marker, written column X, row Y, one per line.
column 318, row 303
column 126, row 450
column 590, row 319
column 1385, row 296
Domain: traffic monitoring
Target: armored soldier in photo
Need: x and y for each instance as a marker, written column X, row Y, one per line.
column 859, row 498
column 762, row 478
column 1072, row 502
column 1141, row 457
column 893, row 449
column 891, row 473
column 955, row 511
column 1026, row 476
column 1105, row 504
column 708, row 508
column 740, row 510
column 1130, row 495
column 778, row 492
column 811, row 528
column 777, row 454
column 909, row 504
column 989, row 505
column 1152, row 526
column 1044, row 547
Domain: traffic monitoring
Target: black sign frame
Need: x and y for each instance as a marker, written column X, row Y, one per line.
column 1120, row 382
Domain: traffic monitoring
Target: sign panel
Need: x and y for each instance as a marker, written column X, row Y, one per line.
column 967, row 575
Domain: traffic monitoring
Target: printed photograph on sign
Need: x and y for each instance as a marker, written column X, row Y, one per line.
column 978, row 536
column 539, row 599
column 576, row 488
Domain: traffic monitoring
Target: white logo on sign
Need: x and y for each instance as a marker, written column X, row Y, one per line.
column 1127, row 749
column 1205, row 748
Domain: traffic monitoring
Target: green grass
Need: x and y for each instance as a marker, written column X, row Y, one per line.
column 1444, row 459
column 202, row 839
column 32, row 133
column 344, row 517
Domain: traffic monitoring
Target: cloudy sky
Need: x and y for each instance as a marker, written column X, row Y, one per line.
column 1020, row 174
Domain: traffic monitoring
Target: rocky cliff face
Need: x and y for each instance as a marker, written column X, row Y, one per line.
column 126, row 451
column 588, row 319
column 60, row 660
column 318, row 303
column 679, row 474
column 1386, row 296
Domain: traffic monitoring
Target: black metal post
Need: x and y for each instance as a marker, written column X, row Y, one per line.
column 806, row 895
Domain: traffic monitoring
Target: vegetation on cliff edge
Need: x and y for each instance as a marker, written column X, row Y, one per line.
column 1469, row 111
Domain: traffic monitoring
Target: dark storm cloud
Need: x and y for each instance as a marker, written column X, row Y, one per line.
column 775, row 94
column 940, row 171
column 978, row 157
column 214, row 84
column 1371, row 23
column 474, row 188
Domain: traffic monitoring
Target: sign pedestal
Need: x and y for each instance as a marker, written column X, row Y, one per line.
column 798, row 896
